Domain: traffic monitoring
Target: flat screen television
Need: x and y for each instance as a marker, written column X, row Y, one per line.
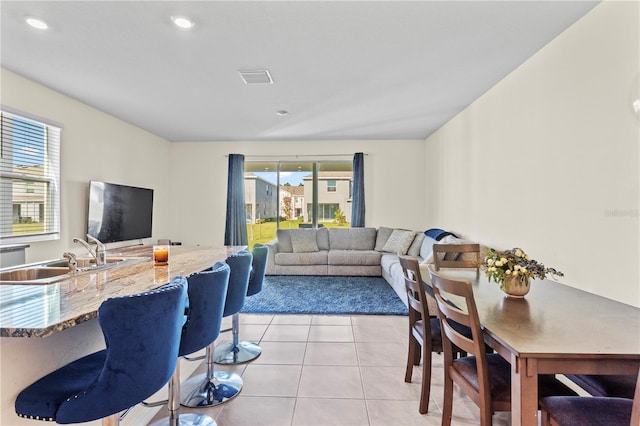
column 119, row 212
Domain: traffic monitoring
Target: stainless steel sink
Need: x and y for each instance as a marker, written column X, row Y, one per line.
column 52, row 271
column 31, row 274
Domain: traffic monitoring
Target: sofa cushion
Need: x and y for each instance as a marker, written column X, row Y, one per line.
column 298, row 259
column 416, row 245
column 399, row 241
column 284, row 241
column 352, row 238
column 382, row 237
column 354, row 257
column 322, row 238
column 388, row 260
column 427, row 247
column 304, row 240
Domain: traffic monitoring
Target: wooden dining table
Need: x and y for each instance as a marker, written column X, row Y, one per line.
column 555, row 329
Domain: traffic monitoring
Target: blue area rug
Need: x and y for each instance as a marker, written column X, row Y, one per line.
column 325, row 295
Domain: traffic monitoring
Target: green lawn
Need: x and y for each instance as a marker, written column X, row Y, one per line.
column 28, row 228
column 265, row 232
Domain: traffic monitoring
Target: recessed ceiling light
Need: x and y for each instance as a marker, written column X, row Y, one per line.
column 282, row 112
column 183, row 22
column 37, row 23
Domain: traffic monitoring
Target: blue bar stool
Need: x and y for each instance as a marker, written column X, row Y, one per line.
column 241, row 351
column 207, row 291
column 142, row 335
column 216, row 387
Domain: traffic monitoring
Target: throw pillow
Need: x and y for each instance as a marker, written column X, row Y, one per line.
column 382, row 237
column 304, row 241
column 416, row 245
column 399, row 241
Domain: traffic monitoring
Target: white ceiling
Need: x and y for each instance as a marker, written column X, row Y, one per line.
column 343, row 69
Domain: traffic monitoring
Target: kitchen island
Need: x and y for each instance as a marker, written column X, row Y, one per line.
column 44, row 327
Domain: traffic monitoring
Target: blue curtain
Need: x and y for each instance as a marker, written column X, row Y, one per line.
column 357, row 212
column 235, row 231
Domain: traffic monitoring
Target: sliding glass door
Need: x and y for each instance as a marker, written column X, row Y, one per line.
column 296, row 194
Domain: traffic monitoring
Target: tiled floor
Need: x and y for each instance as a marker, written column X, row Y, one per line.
column 332, row 370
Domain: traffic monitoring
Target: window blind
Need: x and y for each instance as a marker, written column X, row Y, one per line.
column 29, row 179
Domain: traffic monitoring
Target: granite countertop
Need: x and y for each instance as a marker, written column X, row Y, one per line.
column 42, row 310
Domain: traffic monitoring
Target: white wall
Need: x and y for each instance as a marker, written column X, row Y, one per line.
column 548, row 159
column 392, row 169
column 94, row 146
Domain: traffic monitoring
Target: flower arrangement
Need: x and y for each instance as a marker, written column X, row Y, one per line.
column 515, row 264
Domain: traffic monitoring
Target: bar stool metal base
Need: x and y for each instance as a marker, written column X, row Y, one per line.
column 200, row 391
column 242, row 352
column 186, row 419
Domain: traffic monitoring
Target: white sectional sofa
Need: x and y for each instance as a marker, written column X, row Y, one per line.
column 351, row 252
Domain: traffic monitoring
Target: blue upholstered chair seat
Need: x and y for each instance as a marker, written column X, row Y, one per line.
column 42, row 399
column 581, row 411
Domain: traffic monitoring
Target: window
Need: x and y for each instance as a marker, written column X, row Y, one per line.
column 327, row 212
column 29, row 179
column 303, row 194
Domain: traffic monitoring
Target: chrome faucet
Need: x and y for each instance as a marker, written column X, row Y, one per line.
column 101, row 254
column 73, row 262
column 98, row 254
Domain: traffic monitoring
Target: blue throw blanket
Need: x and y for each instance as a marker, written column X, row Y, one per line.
column 437, row 234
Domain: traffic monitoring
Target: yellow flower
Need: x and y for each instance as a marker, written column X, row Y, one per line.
column 516, row 268
column 489, row 262
column 503, row 260
column 507, row 272
column 519, row 253
column 523, row 270
column 499, row 263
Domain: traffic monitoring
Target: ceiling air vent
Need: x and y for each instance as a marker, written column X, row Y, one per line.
column 256, row 77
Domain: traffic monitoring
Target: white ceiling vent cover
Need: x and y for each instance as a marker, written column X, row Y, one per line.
column 256, row 77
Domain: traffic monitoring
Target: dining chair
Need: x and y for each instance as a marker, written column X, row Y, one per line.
column 621, row 386
column 484, row 378
column 424, row 329
column 592, row 411
column 465, row 255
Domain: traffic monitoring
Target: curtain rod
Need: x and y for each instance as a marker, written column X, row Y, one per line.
column 300, row 155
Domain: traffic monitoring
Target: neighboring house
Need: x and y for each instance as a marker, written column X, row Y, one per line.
column 334, row 192
column 28, row 196
column 260, row 198
column 292, row 205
